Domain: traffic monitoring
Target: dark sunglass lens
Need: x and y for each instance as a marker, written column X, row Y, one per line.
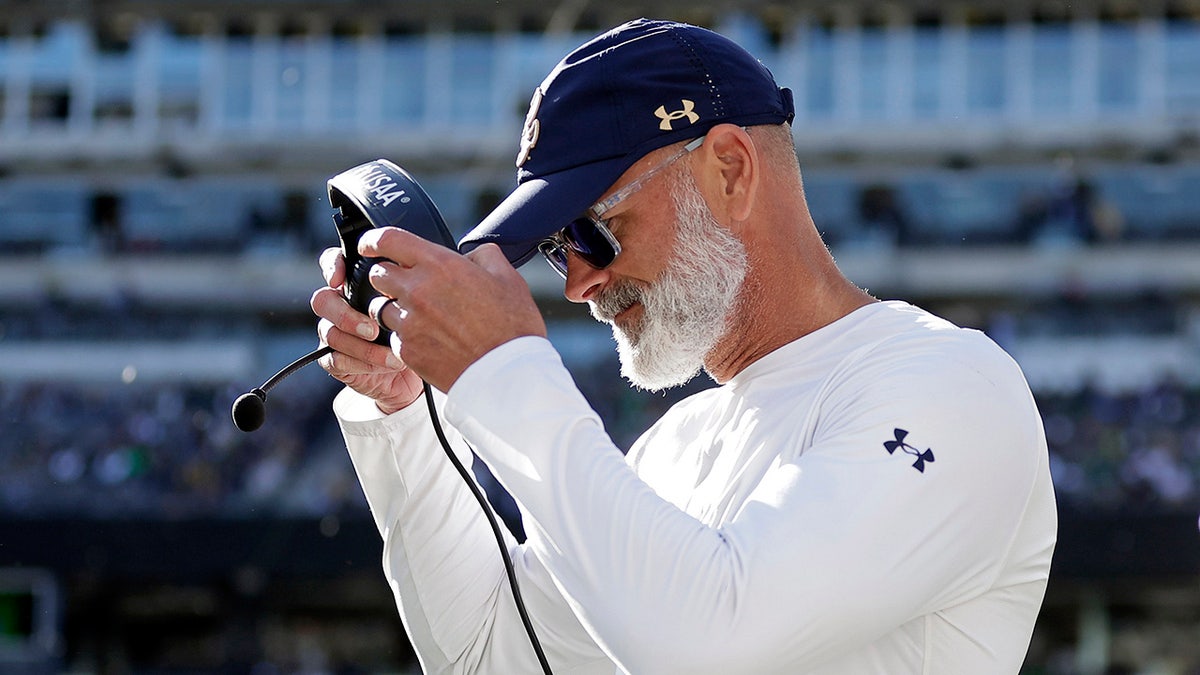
column 589, row 243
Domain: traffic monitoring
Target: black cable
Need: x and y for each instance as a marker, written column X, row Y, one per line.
column 487, row 511
column 249, row 412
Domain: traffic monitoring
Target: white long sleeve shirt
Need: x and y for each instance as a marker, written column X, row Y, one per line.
column 871, row 498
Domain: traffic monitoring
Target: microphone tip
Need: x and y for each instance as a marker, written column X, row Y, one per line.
column 249, row 410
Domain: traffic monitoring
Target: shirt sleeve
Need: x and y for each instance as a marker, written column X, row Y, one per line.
column 835, row 547
column 440, row 555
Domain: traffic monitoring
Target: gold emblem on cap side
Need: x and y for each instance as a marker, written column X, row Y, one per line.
column 688, row 112
column 531, row 130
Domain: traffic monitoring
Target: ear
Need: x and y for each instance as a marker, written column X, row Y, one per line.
column 732, row 169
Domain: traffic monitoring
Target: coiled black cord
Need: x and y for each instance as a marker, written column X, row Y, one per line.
column 487, row 511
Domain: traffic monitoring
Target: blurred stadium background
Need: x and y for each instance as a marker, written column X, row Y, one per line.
column 1027, row 167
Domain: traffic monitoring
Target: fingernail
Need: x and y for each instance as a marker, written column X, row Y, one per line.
column 394, row 361
column 366, row 330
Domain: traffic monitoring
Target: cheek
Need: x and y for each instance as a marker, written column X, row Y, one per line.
column 647, row 243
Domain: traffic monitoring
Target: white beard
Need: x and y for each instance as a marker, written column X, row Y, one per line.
column 685, row 311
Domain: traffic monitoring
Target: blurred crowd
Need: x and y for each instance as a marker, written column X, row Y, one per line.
column 171, row 451
column 1138, row 449
column 167, row 451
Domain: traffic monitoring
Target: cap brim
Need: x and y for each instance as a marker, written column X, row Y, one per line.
column 541, row 206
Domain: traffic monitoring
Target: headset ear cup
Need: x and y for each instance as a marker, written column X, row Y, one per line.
column 359, row 291
column 379, row 194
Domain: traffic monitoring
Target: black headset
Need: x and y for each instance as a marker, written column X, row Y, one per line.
column 370, row 195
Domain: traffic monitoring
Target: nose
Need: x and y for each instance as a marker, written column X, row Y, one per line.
column 583, row 280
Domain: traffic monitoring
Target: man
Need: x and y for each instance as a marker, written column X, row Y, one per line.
column 866, row 492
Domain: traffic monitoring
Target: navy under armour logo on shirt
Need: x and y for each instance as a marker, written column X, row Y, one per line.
column 899, row 444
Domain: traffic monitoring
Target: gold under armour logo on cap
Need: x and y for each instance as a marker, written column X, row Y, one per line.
column 668, row 117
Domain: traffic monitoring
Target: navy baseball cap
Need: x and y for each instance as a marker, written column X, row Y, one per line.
column 639, row 87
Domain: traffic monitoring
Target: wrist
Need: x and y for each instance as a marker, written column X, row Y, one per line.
column 387, row 409
column 391, row 406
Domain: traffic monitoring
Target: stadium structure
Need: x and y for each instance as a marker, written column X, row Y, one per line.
column 1030, row 168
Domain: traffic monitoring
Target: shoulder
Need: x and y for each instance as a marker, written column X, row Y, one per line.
column 924, row 372
column 917, row 347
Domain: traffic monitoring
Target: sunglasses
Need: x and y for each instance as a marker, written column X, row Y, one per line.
column 588, row 235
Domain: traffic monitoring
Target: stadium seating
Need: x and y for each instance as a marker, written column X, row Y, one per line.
column 162, row 200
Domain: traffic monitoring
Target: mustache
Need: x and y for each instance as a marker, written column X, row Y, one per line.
column 615, row 299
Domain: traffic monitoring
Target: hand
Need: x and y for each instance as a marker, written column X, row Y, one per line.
column 448, row 310
column 370, row 369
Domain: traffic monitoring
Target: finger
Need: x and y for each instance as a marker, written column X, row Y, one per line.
column 333, row 266
column 353, row 355
column 399, row 246
column 396, row 345
column 388, row 278
column 491, row 258
column 330, row 304
column 342, row 365
column 388, row 314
